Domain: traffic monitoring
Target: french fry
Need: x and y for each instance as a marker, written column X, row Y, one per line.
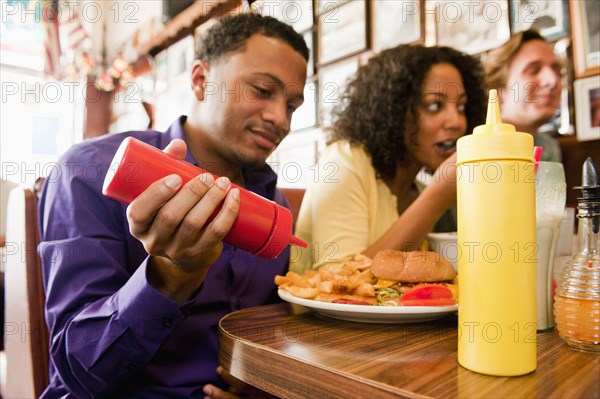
column 280, row 280
column 352, row 278
column 361, row 262
column 301, row 292
column 330, row 271
column 326, row 287
column 314, row 279
column 311, row 273
column 365, row 289
column 349, row 269
column 344, row 285
column 297, row 280
column 366, row 276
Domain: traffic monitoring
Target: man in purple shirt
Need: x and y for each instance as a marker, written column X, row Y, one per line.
column 134, row 294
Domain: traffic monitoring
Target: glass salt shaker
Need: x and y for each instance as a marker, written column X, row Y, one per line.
column 577, row 300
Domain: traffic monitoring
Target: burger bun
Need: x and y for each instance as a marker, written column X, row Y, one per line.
column 412, row 267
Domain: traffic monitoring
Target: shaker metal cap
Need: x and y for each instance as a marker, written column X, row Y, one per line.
column 590, row 181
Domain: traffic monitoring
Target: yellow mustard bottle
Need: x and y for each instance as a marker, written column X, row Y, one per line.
column 497, row 248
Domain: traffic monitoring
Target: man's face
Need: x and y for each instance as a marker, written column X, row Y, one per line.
column 249, row 99
column 533, row 86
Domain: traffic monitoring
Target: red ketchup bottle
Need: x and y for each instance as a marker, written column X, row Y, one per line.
column 262, row 227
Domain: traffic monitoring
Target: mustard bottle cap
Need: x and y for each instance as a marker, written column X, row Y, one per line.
column 494, row 140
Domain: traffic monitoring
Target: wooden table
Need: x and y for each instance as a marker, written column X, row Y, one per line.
column 293, row 353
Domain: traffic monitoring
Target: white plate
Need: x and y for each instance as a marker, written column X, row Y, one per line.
column 372, row 314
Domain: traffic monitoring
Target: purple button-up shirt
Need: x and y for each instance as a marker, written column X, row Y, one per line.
column 112, row 334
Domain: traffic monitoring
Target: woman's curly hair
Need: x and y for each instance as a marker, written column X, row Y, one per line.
column 384, row 98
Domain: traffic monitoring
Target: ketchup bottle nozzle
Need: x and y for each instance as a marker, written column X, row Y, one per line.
column 493, row 111
column 298, row 242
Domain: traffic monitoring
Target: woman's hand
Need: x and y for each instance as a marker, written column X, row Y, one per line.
column 411, row 228
column 237, row 389
column 172, row 222
column 444, row 181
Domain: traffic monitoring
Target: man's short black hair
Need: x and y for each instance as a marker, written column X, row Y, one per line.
column 230, row 34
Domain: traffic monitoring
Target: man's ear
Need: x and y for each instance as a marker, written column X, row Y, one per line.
column 501, row 94
column 200, row 70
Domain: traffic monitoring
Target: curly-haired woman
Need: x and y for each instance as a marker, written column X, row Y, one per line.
column 402, row 113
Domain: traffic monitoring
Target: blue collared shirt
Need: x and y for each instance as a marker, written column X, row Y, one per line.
column 112, row 334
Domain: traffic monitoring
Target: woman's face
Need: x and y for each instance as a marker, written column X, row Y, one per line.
column 442, row 119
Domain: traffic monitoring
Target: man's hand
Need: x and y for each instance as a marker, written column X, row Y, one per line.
column 173, row 226
column 237, row 389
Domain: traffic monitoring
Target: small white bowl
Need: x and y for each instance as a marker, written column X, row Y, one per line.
column 446, row 245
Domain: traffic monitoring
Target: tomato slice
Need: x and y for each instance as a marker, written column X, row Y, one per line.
column 428, row 295
column 347, row 301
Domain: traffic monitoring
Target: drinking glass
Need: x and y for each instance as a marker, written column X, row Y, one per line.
column 550, row 198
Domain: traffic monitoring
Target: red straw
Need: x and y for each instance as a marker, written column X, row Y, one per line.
column 537, row 155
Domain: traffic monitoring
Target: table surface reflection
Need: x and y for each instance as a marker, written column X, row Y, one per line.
column 294, row 353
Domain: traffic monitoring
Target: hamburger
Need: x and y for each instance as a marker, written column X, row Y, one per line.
column 417, row 278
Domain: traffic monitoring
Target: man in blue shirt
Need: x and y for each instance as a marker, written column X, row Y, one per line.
column 134, row 294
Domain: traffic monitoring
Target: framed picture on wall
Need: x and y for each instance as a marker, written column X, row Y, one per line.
column 308, row 38
column 585, row 20
column 180, row 58
column 306, row 115
column 297, row 13
column 396, row 22
column 325, row 6
column 472, row 26
column 161, row 71
column 587, row 108
column 333, row 80
column 549, row 17
column 342, row 30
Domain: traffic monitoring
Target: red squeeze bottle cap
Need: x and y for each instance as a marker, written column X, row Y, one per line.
column 298, row 242
column 537, row 156
column 263, row 227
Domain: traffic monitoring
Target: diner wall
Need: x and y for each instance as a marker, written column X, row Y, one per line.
column 343, row 34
